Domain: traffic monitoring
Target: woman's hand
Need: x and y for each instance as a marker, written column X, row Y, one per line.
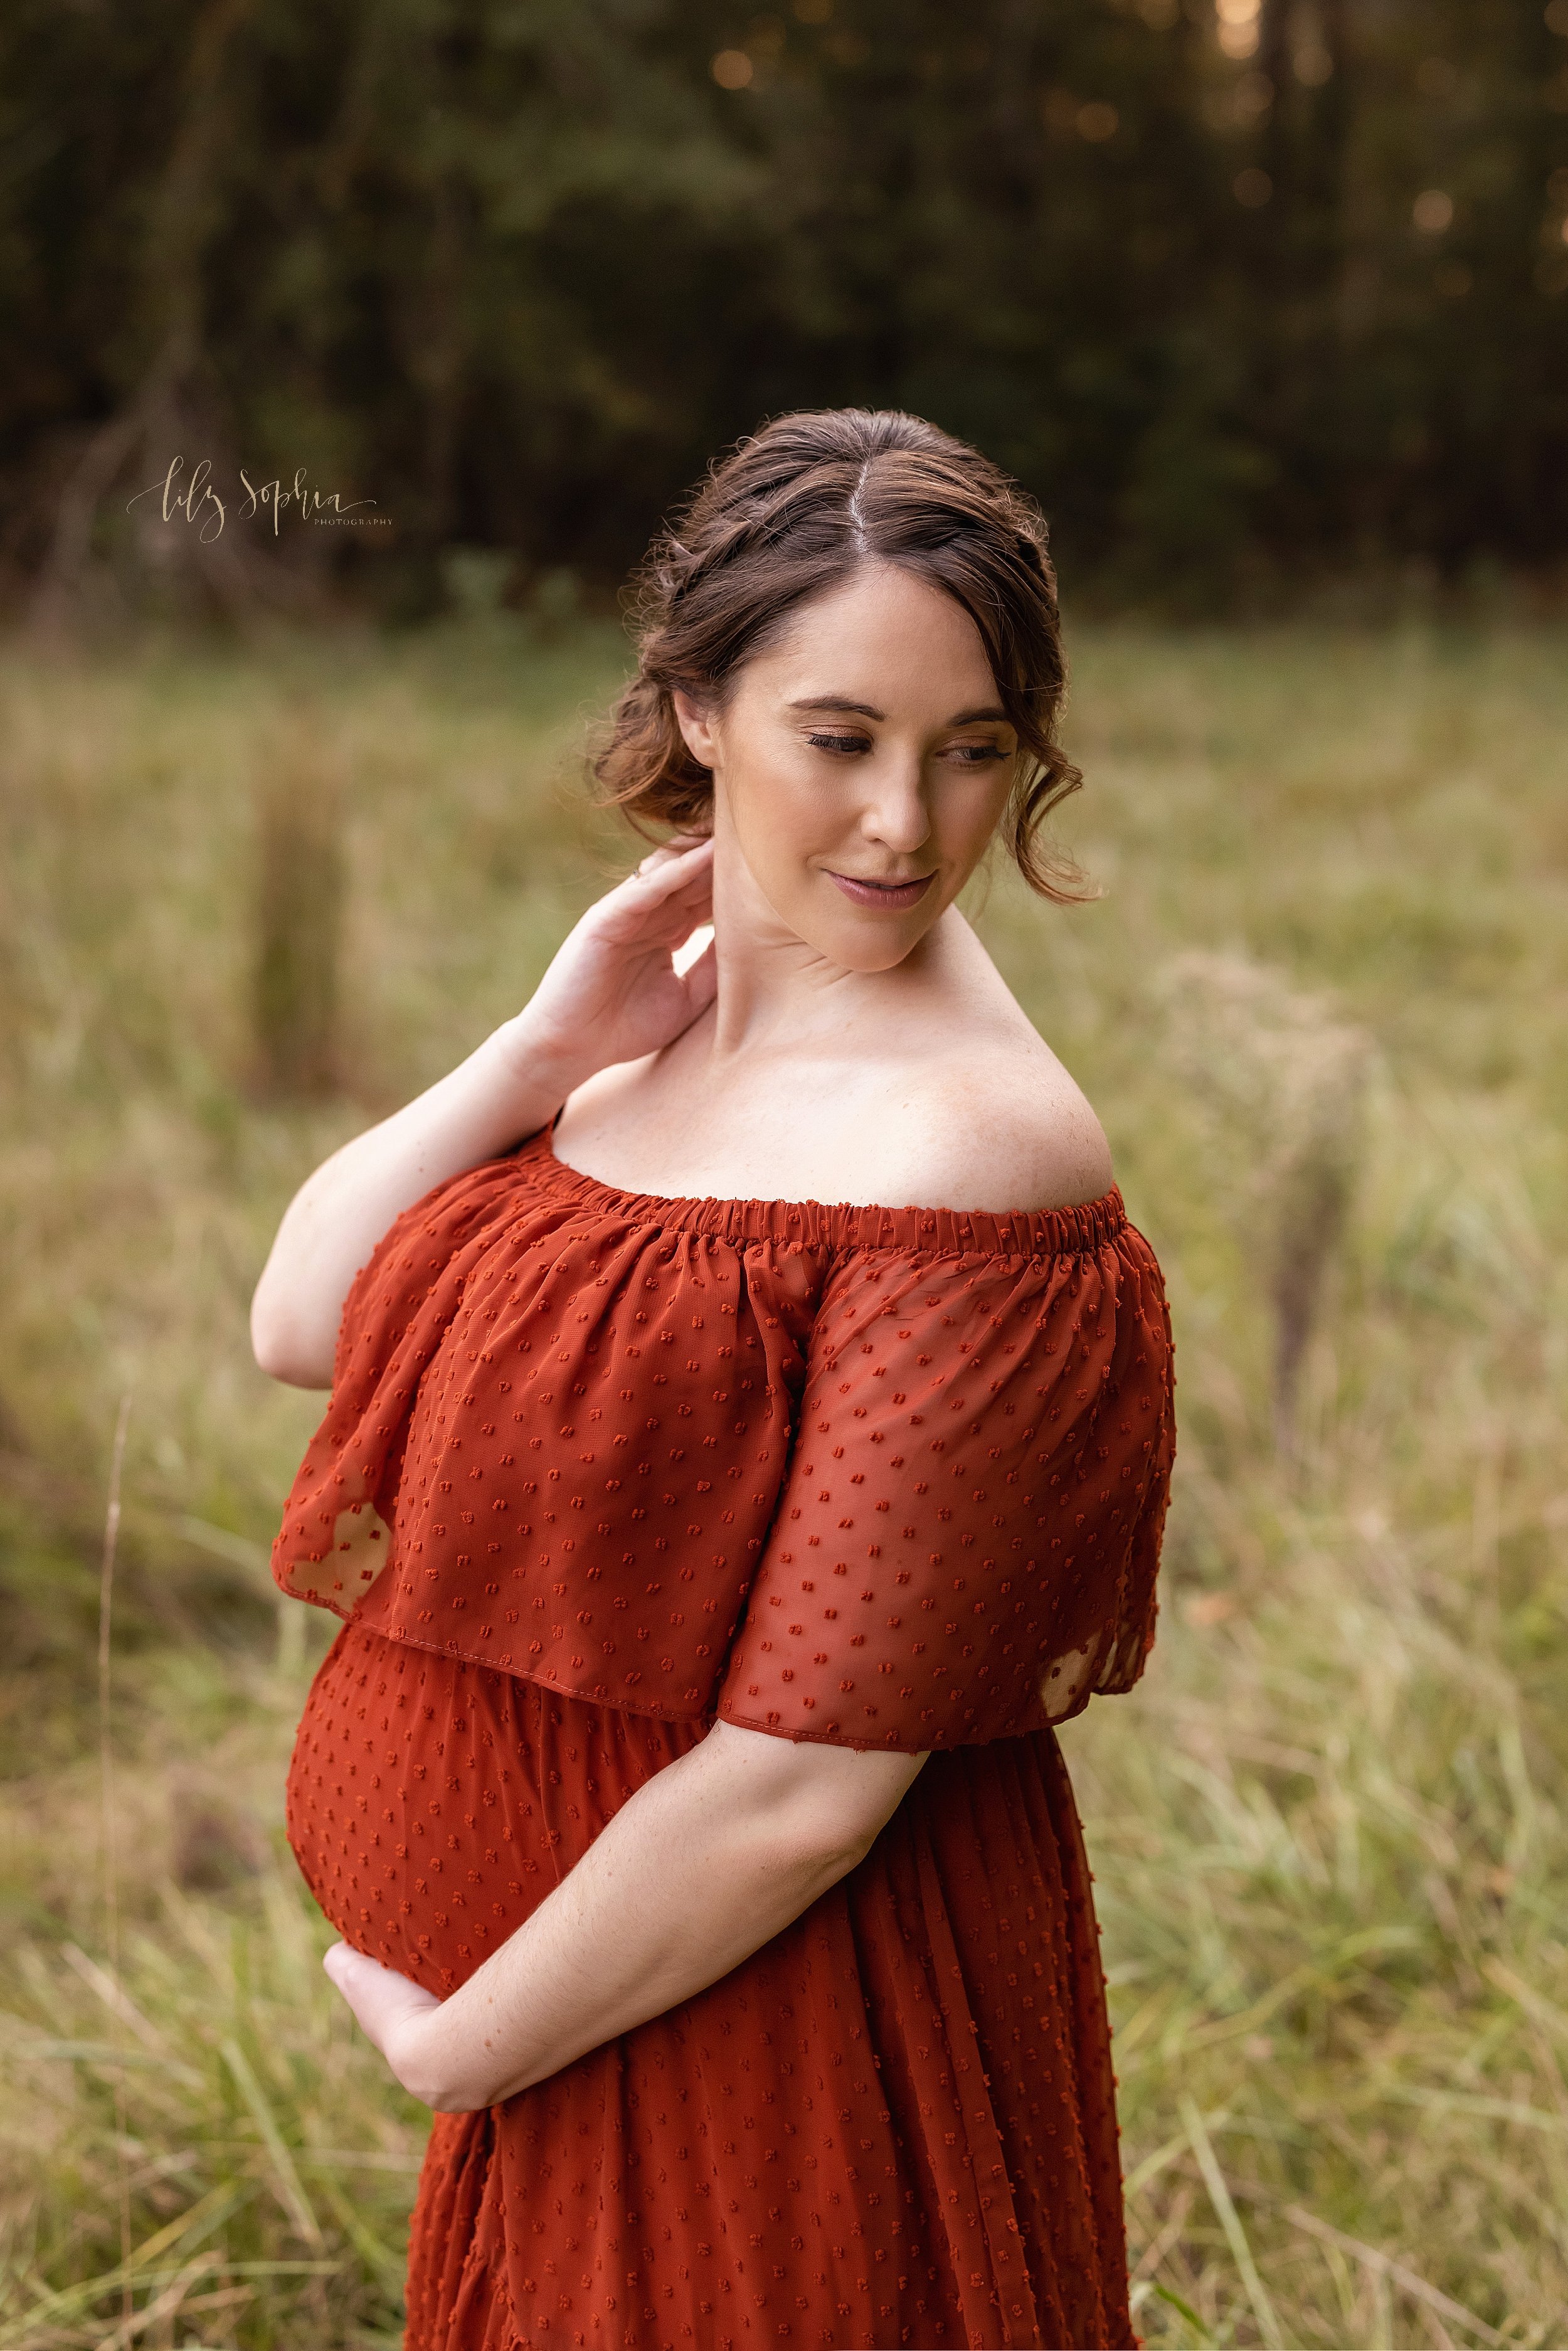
column 612, row 993
column 402, row 2019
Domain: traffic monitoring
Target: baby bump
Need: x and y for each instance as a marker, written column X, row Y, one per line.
column 432, row 1803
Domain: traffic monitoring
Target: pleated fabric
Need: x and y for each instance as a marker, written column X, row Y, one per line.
column 895, row 2125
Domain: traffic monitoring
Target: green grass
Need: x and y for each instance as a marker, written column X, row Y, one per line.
column 1328, row 1829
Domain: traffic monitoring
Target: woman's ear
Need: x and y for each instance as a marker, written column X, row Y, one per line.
column 696, row 730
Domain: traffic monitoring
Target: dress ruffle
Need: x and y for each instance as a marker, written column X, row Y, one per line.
column 916, row 1461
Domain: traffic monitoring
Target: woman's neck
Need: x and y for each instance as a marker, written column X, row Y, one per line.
column 777, row 993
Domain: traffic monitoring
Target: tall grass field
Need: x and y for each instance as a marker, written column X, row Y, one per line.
column 251, row 900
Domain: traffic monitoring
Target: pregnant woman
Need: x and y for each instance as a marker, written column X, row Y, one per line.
column 720, row 1537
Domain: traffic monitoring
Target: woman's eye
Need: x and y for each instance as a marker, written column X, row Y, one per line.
column 978, row 755
column 846, row 745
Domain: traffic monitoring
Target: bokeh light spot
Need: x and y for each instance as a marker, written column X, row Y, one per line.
column 1235, row 23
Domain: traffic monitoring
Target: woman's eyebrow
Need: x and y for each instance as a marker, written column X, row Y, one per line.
column 870, row 710
column 836, row 702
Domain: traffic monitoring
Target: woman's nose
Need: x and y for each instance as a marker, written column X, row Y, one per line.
column 896, row 814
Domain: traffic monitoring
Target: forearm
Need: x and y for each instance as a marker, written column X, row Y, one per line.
column 504, row 1090
column 693, row 1875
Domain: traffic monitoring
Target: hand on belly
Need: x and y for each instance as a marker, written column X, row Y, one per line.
column 397, row 2015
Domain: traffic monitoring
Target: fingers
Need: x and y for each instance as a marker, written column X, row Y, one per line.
column 338, row 1962
column 668, row 894
column 378, row 1995
column 699, row 980
column 355, row 1976
column 395, row 2016
column 674, row 862
column 658, row 905
column 679, row 844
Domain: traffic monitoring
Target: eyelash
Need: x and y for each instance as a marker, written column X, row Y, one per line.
column 851, row 746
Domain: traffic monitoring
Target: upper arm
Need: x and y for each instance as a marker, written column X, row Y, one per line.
column 296, row 1348
column 299, row 1298
column 818, row 1797
column 297, row 1357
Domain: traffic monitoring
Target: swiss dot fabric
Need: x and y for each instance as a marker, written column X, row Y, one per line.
column 600, row 1469
column 571, row 1428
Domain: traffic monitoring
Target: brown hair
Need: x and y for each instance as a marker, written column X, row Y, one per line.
column 790, row 513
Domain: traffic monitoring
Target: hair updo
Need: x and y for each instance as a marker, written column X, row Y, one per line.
column 791, row 513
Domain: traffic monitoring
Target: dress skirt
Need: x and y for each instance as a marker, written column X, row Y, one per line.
column 894, row 2124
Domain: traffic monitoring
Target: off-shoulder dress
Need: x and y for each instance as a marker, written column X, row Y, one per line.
column 601, row 1467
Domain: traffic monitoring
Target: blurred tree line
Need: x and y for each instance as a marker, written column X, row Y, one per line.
column 1244, row 289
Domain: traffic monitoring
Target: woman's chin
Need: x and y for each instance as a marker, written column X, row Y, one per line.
column 864, row 939
column 886, row 947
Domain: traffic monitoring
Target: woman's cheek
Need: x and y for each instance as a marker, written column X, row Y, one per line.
column 782, row 821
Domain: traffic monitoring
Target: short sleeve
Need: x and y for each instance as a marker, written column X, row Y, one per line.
column 333, row 1543
column 966, row 1541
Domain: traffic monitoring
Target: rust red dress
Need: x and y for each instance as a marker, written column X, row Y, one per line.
column 600, row 1469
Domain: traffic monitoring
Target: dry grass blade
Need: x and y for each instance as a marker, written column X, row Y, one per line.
column 99, row 1981
column 1231, row 2222
column 1386, row 2266
column 162, row 2307
column 286, row 2179
column 387, row 2265
column 1500, row 2110
column 1158, row 2160
column 109, row 1860
column 1148, row 2262
column 1551, row 2018
column 200, row 2220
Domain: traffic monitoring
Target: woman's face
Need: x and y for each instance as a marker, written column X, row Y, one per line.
column 860, row 766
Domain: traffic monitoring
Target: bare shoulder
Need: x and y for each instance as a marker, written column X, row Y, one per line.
column 1000, row 1126
column 944, row 1096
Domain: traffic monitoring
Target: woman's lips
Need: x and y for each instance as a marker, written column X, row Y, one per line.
column 891, row 897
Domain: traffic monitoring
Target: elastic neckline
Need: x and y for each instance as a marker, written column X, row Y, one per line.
column 815, row 1224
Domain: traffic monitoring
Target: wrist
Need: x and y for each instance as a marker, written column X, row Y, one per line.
column 436, row 2063
column 539, row 1065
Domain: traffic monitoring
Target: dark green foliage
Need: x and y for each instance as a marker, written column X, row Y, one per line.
column 513, row 268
